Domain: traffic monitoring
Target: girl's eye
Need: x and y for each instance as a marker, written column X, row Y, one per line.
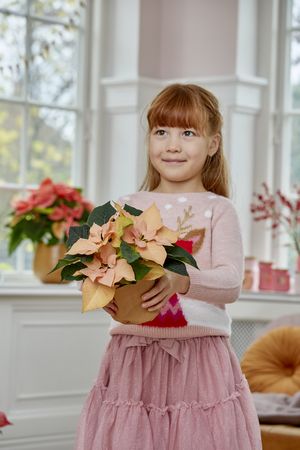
column 189, row 133
column 160, row 132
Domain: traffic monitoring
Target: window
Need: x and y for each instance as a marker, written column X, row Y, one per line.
column 291, row 94
column 42, row 80
column 287, row 117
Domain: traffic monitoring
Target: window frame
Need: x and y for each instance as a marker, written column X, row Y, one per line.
column 82, row 109
column 282, row 116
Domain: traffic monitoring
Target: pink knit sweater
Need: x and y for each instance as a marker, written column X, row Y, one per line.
column 209, row 224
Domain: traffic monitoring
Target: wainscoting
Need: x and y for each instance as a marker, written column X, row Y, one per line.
column 50, row 355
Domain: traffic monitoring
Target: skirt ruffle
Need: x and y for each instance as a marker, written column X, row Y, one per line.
column 163, row 394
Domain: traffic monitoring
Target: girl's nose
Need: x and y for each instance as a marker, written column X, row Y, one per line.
column 174, row 144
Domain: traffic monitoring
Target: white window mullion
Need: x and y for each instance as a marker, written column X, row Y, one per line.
column 24, row 138
column 83, row 117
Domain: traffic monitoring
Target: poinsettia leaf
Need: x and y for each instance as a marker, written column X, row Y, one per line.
column 175, row 266
column 180, row 254
column 101, row 214
column 44, row 210
column 35, row 230
column 140, row 270
column 68, row 271
column 68, row 259
column 85, row 258
column 79, row 277
column 52, row 241
column 75, row 233
column 15, row 238
column 129, row 253
column 133, row 211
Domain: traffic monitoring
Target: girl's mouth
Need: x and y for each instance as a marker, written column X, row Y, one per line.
column 173, row 161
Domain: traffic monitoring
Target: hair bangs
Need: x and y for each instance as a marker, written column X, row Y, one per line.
column 178, row 109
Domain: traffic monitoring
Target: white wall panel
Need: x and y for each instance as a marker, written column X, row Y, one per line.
column 50, row 357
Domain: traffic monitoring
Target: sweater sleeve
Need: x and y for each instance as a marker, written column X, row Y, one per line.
column 222, row 283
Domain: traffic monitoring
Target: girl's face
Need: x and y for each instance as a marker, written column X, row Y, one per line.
column 178, row 154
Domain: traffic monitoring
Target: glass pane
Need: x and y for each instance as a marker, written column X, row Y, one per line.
column 296, row 13
column 11, row 122
column 12, row 55
column 51, row 145
column 27, row 255
column 53, row 64
column 7, row 263
column 295, row 153
column 66, row 10
column 14, row 5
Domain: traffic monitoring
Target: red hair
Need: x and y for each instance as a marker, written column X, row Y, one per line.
column 190, row 106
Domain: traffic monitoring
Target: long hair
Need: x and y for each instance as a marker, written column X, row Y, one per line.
column 190, row 106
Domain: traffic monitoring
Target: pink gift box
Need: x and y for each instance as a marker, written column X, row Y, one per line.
column 265, row 276
column 281, row 280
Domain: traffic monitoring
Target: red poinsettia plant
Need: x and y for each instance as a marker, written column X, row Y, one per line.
column 47, row 214
column 3, row 420
column 282, row 212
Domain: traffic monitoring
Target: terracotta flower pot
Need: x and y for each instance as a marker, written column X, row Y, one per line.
column 45, row 258
column 128, row 299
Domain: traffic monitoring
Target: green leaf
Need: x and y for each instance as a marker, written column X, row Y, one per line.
column 44, row 210
column 133, row 211
column 101, row 214
column 140, row 270
column 86, row 258
column 128, row 252
column 15, row 238
column 175, row 266
column 68, row 259
column 53, row 240
column 68, row 271
column 82, row 231
column 180, row 254
column 34, row 230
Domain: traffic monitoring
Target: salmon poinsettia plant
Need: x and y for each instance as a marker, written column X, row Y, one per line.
column 120, row 245
column 47, row 214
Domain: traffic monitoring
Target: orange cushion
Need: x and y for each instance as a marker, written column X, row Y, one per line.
column 280, row 437
column 272, row 362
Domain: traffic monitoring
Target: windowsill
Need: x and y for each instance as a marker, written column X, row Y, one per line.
column 270, row 296
column 38, row 289
column 34, row 288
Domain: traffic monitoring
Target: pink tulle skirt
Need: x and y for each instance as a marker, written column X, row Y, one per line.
column 167, row 394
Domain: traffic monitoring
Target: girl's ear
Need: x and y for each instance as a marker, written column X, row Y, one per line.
column 213, row 145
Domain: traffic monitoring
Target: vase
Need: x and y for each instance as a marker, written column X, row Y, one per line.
column 251, row 273
column 128, row 299
column 45, row 259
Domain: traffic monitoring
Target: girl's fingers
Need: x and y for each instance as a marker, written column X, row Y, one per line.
column 155, row 300
column 158, row 287
column 109, row 311
column 111, row 308
column 159, row 305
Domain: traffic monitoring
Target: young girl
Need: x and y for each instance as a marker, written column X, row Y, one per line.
column 175, row 383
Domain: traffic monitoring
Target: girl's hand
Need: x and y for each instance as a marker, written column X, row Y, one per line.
column 111, row 308
column 163, row 289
